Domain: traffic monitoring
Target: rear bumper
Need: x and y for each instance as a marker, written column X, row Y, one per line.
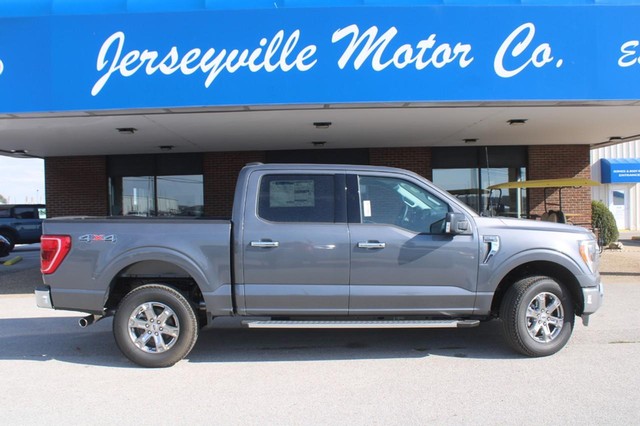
column 43, row 297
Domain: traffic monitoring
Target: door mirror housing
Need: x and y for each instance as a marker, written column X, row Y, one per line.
column 457, row 224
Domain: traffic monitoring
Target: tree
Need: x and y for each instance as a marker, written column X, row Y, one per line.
column 2, row 199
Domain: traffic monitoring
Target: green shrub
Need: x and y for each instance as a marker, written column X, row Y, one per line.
column 602, row 219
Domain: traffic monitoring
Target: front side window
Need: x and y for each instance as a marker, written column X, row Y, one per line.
column 398, row 202
column 297, row 198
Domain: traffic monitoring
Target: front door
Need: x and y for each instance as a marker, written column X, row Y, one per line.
column 296, row 246
column 402, row 261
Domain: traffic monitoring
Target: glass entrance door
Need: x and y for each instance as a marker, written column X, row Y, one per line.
column 618, row 205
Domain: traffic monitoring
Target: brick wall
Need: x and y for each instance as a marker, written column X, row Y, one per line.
column 76, row 186
column 418, row 160
column 220, row 174
column 79, row 185
column 557, row 162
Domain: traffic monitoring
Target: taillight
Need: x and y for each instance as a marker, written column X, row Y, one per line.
column 53, row 249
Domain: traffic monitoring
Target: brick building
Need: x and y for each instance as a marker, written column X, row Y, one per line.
column 151, row 108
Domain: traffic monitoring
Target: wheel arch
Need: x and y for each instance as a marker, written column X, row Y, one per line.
column 145, row 272
column 546, row 268
column 157, row 265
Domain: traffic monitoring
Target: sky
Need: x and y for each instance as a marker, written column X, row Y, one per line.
column 22, row 180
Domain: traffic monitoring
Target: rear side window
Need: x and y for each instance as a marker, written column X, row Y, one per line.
column 25, row 213
column 297, row 198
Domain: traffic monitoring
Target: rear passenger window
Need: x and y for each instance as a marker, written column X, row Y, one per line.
column 24, row 213
column 297, row 198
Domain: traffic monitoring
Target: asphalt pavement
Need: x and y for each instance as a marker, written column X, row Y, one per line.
column 23, row 276
column 52, row 371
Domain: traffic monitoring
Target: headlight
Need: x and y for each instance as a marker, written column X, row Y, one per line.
column 588, row 252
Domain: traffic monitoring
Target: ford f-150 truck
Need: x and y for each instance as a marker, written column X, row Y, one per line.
column 322, row 246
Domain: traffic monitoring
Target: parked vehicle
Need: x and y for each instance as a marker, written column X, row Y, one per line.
column 21, row 223
column 322, row 246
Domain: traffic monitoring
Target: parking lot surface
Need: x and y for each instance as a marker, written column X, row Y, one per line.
column 52, row 371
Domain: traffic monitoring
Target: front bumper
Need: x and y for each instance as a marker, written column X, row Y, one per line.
column 43, row 297
column 593, row 297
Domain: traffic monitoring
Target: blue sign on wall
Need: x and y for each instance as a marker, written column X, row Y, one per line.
column 324, row 55
column 620, row 170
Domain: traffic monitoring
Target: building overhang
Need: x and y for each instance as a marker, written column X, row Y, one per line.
column 260, row 128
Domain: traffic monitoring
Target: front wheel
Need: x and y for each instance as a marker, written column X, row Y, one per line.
column 537, row 315
column 155, row 326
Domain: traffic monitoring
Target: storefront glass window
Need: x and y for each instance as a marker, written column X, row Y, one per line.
column 134, row 191
column 471, row 187
column 468, row 172
column 180, row 195
column 137, row 196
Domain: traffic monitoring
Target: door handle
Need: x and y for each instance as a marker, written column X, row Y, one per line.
column 372, row 245
column 265, row 244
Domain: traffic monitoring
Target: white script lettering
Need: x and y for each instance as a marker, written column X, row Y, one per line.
column 279, row 54
column 540, row 56
column 630, row 55
column 422, row 55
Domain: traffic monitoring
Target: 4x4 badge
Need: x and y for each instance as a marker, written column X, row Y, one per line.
column 88, row 238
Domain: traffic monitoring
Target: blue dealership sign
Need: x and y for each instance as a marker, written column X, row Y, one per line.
column 316, row 56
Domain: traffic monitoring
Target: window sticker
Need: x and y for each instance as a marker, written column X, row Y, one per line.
column 292, row 193
column 366, row 208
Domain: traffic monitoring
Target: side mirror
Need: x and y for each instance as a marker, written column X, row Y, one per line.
column 457, row 224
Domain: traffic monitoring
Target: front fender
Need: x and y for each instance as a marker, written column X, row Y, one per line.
column 490, row 275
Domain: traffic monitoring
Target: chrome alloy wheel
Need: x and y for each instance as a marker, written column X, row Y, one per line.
column 545, row 317
column 154, row 327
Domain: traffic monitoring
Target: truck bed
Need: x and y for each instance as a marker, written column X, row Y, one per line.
column 171, row 248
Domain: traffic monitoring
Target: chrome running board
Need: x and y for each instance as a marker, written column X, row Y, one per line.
column 362, row 324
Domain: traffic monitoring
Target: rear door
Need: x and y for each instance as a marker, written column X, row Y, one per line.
column 295, row 245
column 402, row 262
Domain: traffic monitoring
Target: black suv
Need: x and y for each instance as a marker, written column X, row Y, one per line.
column 21, row 223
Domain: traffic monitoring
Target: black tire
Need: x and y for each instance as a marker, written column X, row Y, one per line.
column 530, row 328
column 10, row 238
column 155, row 326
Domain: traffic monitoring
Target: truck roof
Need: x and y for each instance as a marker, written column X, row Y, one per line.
column 332, row 167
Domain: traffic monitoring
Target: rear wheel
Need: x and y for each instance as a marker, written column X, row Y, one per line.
column 10, row 239
column 537, row 315
column 155, row 326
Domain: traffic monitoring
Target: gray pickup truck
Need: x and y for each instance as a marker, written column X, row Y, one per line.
column 322, row 246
